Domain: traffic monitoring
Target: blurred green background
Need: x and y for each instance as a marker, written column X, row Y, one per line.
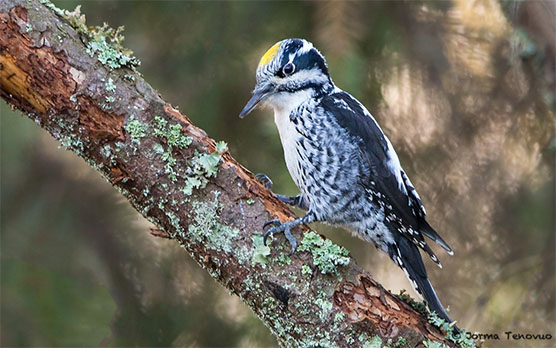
column 464, row 89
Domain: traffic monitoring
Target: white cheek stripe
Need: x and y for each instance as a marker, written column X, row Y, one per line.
column 313, row 75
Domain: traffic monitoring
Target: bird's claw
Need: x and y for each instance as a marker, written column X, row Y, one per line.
column 271, row 222
column 278, row 228
column 265, row 180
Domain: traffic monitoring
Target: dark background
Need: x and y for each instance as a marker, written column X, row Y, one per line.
column 464, row 90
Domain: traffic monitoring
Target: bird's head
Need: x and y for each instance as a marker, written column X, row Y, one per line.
column 290, row 67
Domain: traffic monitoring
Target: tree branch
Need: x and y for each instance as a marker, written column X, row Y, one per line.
column 81, row 86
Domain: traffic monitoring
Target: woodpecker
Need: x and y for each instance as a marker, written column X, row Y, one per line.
column 342, row 162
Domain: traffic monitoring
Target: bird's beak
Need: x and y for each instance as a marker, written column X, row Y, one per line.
column 253, row 102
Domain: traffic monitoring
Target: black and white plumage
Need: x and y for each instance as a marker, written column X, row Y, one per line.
column 344, row 165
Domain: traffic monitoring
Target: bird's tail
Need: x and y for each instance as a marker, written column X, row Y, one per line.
column 408, row 257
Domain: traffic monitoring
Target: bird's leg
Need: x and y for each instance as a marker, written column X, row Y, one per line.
column 286, row 228
column 296, row 201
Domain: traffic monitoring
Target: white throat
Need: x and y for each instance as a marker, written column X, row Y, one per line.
column 283, row 104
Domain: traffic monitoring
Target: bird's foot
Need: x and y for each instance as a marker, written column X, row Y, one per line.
column 265, row 180
column 280, row 227
column 267, row 183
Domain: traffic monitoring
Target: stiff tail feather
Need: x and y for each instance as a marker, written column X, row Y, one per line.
column 428, row 231
column 408, row 258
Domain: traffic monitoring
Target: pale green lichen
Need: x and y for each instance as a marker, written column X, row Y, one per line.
column 315, row 338
column 136, row 129
column 420, row 307
column 208, row 163
column 434, row 344
column 103, row 41
column 339, row 317
column 174, row 138
column 206, row 228
column 147, row 205
column 244, row 254
column 270, row 312
column 146, row 191
column 400, row 343
column 158, row 148
column 283, row 259
column 458, row 338
column 325, row 307
column 159, row 126
column 250, row 201
column 169, row 163
column 71, row 142
column 75, row 18
column 106, row 151
column 201, row 168
column 109, row 85
column 260, row 251
column 174, row 220
column 269, row 301
column 106, row 44
column 304, row 307
column 327, row 256
column 65, row 142
column 375, row 342
column 305, row 270
column 221, row 147
column 192, row 183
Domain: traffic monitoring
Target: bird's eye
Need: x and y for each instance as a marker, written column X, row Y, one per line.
column 288, row 69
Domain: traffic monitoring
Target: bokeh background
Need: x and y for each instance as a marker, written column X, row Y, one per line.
column 464, row 89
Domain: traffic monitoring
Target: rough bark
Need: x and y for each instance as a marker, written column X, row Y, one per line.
column 190, row 187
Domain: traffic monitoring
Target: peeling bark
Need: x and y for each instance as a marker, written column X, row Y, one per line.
column 164, row 165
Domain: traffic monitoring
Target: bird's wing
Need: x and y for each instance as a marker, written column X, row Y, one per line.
column 387, row 182
column 386, row 173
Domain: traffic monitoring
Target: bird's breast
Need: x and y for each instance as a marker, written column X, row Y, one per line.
column 322, row 162
column 289, row 136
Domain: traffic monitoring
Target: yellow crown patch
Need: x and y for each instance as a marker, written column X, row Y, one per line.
column 271, row 53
